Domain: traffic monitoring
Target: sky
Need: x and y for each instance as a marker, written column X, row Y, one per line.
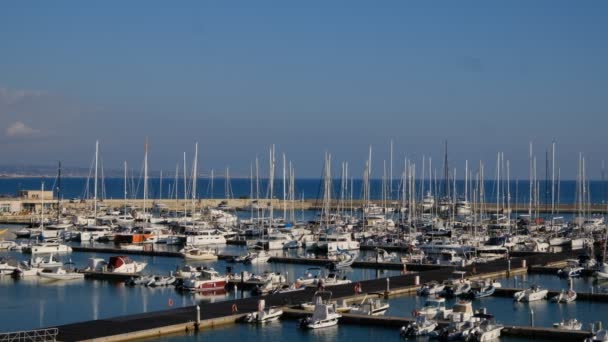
column 309, row 76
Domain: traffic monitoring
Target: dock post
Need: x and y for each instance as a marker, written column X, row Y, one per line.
column 591, row 288
column 417, row 280
column 236, row 292
column 508, row 268
column 388, row 287
column 523, row 263
column 198, row 316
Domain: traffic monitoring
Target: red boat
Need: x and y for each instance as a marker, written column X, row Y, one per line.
column 208, row 280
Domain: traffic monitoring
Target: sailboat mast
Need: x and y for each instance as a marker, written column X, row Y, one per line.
column 194, row 176
column 95, row 186
column 145, row 180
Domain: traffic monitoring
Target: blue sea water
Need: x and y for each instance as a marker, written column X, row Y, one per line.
column 113, row 188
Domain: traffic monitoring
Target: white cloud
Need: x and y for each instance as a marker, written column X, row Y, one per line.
column 19, row 129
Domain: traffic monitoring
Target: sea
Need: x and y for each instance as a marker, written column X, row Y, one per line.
column 565, row 192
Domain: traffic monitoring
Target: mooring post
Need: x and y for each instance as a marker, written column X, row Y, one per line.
column 198, row 316
column 417, row 280
column 388, row 287
column 508, row 267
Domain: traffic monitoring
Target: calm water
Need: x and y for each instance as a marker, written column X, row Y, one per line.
column 309, row 188
column 287, row 330
column 47, row 303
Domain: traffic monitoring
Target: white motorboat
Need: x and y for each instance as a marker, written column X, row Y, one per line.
column 7, row 244
column 6, row 268
column 531, row 294
column 260, row 257
column 570, row 324
column 434, row 308
column 486, row 331
column 572, row 270
column 430, row 288
column 310, row 276
column 141, row 280
column 331, row 279
column 565, row 296
column 45, row 263
column 331, row 243
column 263, row 315
column 61, row 273
column 324, row 314
column 47, row 248
column 344, row 260
column 600, row 336
column 602, row 272
column 370, row 307
column 195, row 253
column 420, row 327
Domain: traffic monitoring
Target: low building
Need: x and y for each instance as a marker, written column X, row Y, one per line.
column 36, row 195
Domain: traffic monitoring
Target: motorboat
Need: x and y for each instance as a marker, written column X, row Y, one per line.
column 343, row 260
column 565, row 296
column 331, row 243
column 457, row 285
column 370, row 307
column 420, row 327
column 324, row 314
column 457, row 330
column 331, row 279
column 602, row 272
column 208, row 280
column 116, row 264
column 599, row 336
column 263, row 315
column 259, row 257
column 41, row 262
column 430, row 288
column 195, row 253
column 61, row 273
column 570, row 324
column 572, row 270
column 161, row 281
column 141, row 280
column 47, row 248
column 6, row 268
column 434, row 308
column 531, row 294
column 310, row 276
column 485, row 331
column 7, row 244
column 483, row 289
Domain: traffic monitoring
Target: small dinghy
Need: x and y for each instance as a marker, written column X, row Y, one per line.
column 161, row 281
column 571, row 324
column 422, row 326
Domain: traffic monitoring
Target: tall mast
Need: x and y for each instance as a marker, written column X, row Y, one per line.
column 59, row 199
column 390, row 188
column 145, row 180
column 125, row 189
column 466, row 180
column 42, row 210
column 271, row 176
column 446, row 171
column 553, row 178
column 95, row 186
column 284, row 193
column 185, row 190
column 194, row 176
column 531, row 180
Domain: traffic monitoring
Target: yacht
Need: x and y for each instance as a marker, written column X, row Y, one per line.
column 60, row 273
column 434, row 308
column 331, row 243
column 6, row 268
column 204, row 237
column 47, row 248
column 208, row 280
column 430, row 288
column 487, row 330
column 260, row 257
column 116, row 264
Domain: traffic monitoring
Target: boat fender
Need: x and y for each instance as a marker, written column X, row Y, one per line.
column 170, row 303
column 234, row 308
column 358, row 288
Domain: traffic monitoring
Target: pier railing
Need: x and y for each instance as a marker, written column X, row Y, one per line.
column 41, row 335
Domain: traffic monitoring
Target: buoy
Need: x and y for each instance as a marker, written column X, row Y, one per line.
column 234, row 308
column 170, row 302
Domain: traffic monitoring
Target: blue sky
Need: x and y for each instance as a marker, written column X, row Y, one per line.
column 309, row 77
